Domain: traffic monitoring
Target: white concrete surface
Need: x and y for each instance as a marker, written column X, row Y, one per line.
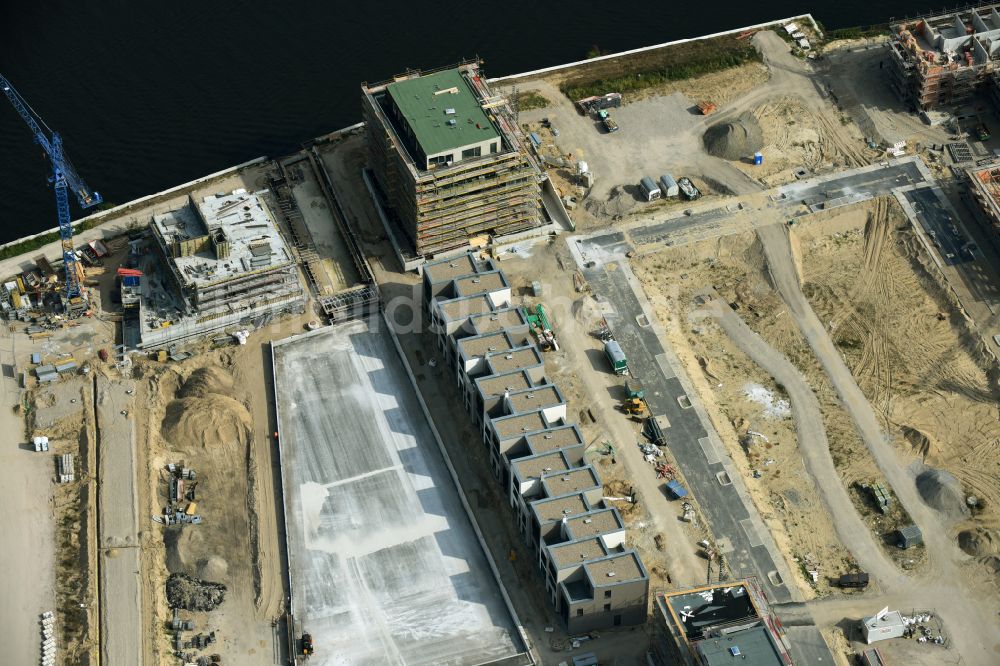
column 385, row 567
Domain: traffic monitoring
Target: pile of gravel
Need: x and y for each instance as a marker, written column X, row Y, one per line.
column 943, row 492
column 979, row 542
column 735, row 139
column 191, row 594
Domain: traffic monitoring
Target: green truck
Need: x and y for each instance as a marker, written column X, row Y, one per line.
column 616, row 357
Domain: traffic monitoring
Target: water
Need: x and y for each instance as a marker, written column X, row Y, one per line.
column 148, row 95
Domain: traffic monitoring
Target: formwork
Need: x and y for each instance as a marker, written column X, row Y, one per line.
column 444, row 207
column 384, row 563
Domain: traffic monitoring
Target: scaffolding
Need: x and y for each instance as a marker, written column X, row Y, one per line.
column 444, row 207
column 985, row 187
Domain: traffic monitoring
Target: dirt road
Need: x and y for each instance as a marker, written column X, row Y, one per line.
column 966, row 616
column 27, row 559
column 813, row 444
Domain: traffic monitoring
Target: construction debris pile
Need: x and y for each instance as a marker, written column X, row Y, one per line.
column 181, row 490
column 187, row 593
column 736, row 139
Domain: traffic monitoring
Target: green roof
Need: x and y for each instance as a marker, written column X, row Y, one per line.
column 425, row 112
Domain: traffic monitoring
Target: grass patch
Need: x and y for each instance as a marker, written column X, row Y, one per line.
column 526, row 101
column 43, row 240
column 859, row 32
column 636, row 72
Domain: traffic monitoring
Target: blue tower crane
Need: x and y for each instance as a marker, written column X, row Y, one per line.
column 63, row 178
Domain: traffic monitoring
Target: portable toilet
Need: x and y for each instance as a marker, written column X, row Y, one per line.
column 668, row 186
column 649, row 189
column 758, row 158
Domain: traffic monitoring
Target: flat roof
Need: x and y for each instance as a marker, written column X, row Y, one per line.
column 254, row 240
column 533, row 467
column 709, row 607
column 383, row 561
column 574, row 481
column 424, row 102
column 537, row 397
column 602, row 521
column 557, row 508
column 480, row 283
column 749, row 647
column 575, row 553
column 446, row 270
column 615, row 569
column 509, row 426
column 552, row 439
column 499, row 320
column 495, row 385
column 524, row 357
column 464, row 307
column 480, row 345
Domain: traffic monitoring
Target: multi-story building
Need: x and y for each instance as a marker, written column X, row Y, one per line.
column 449, row 159
column 535, row 454
column 940, row 60
column 224, row 262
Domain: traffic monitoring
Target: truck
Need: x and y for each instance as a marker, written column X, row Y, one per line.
column 616, row 357
column 609, row 123
column 633, row 403
column 675, row 489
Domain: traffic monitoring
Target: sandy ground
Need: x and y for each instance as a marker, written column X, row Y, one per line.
column 930, row 379
column 212, row 413
column 741, row 398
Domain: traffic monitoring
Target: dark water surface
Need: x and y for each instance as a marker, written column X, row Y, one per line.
column 149, row 95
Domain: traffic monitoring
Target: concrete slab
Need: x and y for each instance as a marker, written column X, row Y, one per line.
column 385, row 567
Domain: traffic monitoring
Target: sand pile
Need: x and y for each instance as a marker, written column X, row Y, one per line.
column 943, row 492
column 979, row 541
column 205, row 413
column 619, row 203
column 214, row 568
column 735, row 139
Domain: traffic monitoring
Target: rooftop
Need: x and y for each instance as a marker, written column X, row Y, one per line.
column 499, row 320
column 577, row 480
column 615, row 569
column 462, row 308
column 572, row 553
column 538, row 397
column 446, row 270
column 749, row 647
column 710, row 607
column 430, row 103
column 511, row 426
column 481, row 345
column 557, row 508
column 602, row 521
column 482, row 283
column 495, row 385
column 533, row 467
column 240, row 218
column 525, row 357
column 554, row 438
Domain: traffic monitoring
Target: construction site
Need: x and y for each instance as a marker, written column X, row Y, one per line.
column 697, row 372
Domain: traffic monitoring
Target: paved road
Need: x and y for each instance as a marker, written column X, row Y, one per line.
column 939, row 221
column 812, row 442
column 118, row 547
column 700, row 454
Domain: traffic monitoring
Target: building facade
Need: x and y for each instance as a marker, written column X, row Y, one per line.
column 536, row 455
column 449, row 159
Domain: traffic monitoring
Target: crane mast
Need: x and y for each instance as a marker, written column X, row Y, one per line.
column 64, row 179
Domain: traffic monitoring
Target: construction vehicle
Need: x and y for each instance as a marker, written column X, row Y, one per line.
column 634, row 403
column 609, row 123
column 64, row 178
column 855, row 580
column 541, row 327
column 706, row 107
column 306, row 645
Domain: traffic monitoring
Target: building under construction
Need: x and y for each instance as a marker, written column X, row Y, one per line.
column 984, row 183
column 449, row 159
column 939, row 61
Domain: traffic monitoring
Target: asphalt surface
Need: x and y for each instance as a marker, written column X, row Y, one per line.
column 700, row 455
column 940, row 222
column 851, row 186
